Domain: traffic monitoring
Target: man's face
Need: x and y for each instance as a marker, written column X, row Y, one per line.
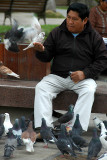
column 74, row 23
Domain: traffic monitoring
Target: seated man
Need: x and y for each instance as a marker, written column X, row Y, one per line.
column 73, row 46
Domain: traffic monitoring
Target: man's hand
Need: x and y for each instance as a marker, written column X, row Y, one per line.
column 38, row 46
column 77, row 76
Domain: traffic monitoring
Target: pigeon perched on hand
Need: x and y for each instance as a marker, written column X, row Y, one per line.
column 6, row 71
column 7, row 123
column 95, row 146
column 10, row 144
column 63, row 143
column 20, row 35
column 65, row 117
column 29, row 137
column 46, row 133
column 1, row 125
column 39, row 38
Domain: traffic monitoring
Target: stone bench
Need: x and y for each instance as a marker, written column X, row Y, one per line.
column 20, row 93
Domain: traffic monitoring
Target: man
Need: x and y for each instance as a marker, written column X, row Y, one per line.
column 73, row 46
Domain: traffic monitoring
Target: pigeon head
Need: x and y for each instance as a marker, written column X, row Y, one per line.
column 8, row 150
column 71, row 108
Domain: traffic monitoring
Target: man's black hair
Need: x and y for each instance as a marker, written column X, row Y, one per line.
column 82, row 10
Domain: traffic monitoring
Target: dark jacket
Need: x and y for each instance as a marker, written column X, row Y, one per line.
column 86, row 52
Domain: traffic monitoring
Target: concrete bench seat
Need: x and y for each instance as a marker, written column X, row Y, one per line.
column 20, row 93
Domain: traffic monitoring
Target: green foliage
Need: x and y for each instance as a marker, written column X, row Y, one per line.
column 4, row 29
column 47, row 28
column 51, row 14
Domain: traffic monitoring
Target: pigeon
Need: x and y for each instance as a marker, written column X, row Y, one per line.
column 7, row 123
column 20, row 35
column 1, row 125
column 6, row 71
column 103, row 156
column 103, row 141
column 95, row 146
column 103, row 129
column 17, row 132
column 39, row 38
column 22, row 122
column 77, row 128
column 63, row 143
column 46, row 133
column 97, row 122
column 29, row 137
column 10, row 144
column 66, row 117
column 74, row 145
column 78, row 140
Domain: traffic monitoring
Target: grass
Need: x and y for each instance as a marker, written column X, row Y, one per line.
column 62, row 7
column 51, row 14
column 4, row 29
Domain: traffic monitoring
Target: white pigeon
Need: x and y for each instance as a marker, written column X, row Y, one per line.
column 103, row 156
column 103, row 141
column 38, row 38
column 7, row 123
column 103, row 129
column 97, row 122
column 6, row 71
column 29, row 144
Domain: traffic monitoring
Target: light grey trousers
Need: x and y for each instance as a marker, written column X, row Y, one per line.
column 48, row 88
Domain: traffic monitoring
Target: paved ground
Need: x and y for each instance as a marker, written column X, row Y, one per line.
column 40, row 153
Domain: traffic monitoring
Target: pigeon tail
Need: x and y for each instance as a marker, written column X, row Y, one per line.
column 13, row 74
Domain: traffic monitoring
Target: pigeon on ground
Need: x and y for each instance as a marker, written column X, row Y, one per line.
column 46, row 133
column 7, row 123
column 65, row 117
column 103, row 129
column 17, row 132
column 39, row 38
column 1, row 125
column 20, row 35
column 63, row 143
column 103, row 141
column 95, row 146
column 29, row 138
column 77, row 128
column 103, row 156
column 6, row 71
column 78, row 140
column 22, row 122
column 97, row 122
column 10, row 144
column 74, row 145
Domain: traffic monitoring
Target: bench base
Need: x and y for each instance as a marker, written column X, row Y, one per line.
column 18, row 93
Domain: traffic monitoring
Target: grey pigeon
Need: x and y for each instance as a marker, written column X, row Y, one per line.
column 10, row 144
column 77, row 128
column 65, row 117
column 95, row 146
column 1, row 125
column 22, row 123
column 74, row 145
column 63, row 143
column 78, row 140
column 46, row 133
column 17, row 131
